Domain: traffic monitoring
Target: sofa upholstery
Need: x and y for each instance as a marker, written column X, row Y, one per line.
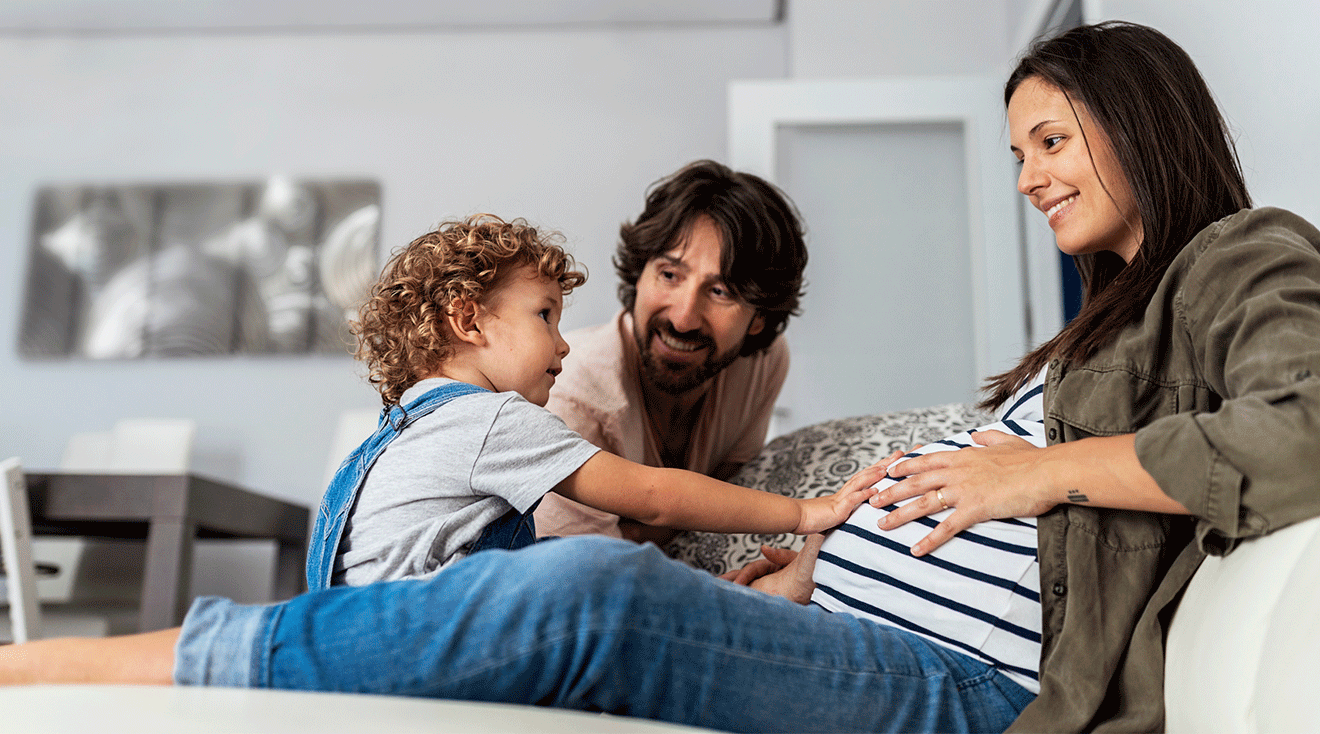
column 1242, row 648
column 815, row 461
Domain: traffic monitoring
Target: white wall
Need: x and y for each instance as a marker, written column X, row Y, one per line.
column 1263, row 64
column 888, row 38
column 887, row 211
column 565, row 127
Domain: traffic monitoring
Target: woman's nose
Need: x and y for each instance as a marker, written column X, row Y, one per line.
column 1031, row 178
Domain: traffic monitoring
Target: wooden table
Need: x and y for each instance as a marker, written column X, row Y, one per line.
column 170, row 511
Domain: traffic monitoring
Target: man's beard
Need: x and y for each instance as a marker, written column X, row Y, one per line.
column 676, row 378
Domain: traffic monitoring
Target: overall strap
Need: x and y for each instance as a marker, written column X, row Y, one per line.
column 342, row 493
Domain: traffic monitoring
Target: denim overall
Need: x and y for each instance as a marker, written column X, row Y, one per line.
column 512, row 530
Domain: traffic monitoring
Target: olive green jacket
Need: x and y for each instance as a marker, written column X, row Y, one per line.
column 1220, row 382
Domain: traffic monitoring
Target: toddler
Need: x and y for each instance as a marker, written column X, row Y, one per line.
column 461, row 337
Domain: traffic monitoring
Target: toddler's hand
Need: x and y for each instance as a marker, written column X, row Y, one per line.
column 822, row 513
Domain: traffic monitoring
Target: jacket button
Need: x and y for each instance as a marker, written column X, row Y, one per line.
column 1054, row 433
column 1060, row 588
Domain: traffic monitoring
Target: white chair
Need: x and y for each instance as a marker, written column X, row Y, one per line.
column 16, row 545
column 96, row 583
column 88, row 451
column 354, row 428
column 134, row 445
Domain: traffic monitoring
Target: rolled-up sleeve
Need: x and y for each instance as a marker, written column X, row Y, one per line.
column 1250, row 307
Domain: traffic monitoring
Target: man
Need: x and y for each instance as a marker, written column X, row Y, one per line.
column 687, row 374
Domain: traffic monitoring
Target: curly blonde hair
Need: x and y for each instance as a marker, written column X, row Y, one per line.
column 401, row 330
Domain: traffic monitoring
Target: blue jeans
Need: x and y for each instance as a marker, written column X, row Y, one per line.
column 600, row 625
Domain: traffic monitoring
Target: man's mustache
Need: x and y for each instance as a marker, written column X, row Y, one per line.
column 694, row 336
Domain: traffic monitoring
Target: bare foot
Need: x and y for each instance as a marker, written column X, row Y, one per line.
column 146, row 658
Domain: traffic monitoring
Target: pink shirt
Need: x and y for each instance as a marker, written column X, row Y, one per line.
column 599, row 395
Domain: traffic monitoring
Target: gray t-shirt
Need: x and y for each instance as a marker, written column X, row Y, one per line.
column 446, row 477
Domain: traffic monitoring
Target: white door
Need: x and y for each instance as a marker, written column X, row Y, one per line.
column 919, row 278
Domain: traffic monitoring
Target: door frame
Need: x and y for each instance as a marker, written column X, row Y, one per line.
column 1000, row 261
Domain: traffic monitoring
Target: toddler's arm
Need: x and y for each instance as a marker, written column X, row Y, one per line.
column 683, row 499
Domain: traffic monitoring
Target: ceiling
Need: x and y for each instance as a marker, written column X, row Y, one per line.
column 41, row 17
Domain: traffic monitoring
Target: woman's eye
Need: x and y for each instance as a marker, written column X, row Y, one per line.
column 1052, row 141
column 545, row 315
column 668, row 275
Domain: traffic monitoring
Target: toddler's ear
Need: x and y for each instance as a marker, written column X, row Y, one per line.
column 465, row 323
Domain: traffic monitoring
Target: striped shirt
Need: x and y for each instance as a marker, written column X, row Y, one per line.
column 978, row 594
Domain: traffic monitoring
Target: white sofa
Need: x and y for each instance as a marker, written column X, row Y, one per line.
column 1244, row 648
column 1241, row 651
column 170, row 710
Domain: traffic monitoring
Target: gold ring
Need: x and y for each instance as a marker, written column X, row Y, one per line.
column 939, row 495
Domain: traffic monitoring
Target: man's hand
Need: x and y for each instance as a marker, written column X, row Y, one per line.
column 789, row 573
column 774, row 559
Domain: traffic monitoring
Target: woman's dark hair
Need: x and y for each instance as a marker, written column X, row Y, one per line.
column 1151, row 106
column 763, row 251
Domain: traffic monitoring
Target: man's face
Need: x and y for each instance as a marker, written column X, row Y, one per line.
column 687, row 324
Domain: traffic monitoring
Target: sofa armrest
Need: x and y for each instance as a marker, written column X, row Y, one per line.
column 1242, row 645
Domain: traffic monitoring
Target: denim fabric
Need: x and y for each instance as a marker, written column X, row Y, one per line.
column 600, row 625
column 510, row 531
column 343, row 489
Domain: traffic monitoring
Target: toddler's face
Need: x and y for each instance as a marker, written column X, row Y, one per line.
column 520, row 320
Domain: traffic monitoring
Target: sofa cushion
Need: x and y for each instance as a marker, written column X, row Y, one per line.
column 816, row 461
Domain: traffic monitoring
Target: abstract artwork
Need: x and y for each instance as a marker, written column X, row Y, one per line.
column 277, row 266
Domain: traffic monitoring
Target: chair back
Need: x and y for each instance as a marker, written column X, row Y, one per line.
column 134, row 446
column 355, row 426
column 16, row 546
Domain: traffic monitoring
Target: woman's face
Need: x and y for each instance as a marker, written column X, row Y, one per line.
column 1062, row 176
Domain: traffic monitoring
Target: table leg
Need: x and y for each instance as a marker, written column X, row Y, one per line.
column 168, row 573
column 290, row 569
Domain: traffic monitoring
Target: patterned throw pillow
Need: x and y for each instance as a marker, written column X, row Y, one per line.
column 815, row 461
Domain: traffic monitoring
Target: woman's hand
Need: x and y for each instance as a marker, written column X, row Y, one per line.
column 1004, row 477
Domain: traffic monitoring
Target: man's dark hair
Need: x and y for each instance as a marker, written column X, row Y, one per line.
column 763, row 252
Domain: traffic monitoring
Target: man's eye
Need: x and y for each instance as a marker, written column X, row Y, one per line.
column 668, row 275
column 721, row 293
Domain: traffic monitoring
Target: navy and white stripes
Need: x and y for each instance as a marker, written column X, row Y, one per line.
column 978, row 594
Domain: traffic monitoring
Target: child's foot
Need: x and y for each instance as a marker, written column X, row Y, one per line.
column 146, row 658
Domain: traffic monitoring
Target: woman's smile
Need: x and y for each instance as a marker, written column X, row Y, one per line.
column 1070, row 173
